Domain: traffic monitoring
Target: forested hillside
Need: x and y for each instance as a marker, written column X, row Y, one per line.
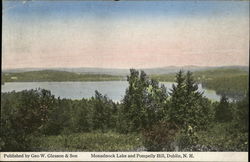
column 230, row 82
column 55, row 76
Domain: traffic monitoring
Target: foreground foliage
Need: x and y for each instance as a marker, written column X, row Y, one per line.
column 94, row 141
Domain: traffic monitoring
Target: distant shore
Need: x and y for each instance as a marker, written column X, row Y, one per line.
column 230, row 81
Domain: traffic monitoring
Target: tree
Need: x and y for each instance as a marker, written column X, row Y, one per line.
column 133, row 102
column 156, row 102
column 24, row 114
column 188, row 108
column 197, row 106
column 143, row 102
column 177, row 110
column 223, row 112
column 103, row 108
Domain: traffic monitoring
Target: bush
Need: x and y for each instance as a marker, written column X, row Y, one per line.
column 94, row 141
column 187, row 140
column 160, row 137
column 224, row 137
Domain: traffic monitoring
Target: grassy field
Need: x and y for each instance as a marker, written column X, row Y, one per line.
column 215, row 138
column 94, row 141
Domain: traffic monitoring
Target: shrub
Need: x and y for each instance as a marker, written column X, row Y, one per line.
column 160, row 137
column 224, row 137
column 187, row 139
column 94, row 141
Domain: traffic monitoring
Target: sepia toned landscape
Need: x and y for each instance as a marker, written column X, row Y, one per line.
column 125, row 76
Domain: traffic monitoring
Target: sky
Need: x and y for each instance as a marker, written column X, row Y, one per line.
column 124, row 34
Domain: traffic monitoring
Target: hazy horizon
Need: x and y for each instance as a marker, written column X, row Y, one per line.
column 126, row 68
column 124, row 34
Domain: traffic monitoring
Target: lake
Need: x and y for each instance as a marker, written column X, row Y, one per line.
column 115, row 90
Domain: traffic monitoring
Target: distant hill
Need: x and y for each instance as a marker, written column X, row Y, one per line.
column 206, row 74
column 174, row 69
column 124, row 72
column 55, row 76
column 74, row 70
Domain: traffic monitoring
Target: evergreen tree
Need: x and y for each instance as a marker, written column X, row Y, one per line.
column 196, row 111
column 177, row 109
column 187, row 105
column 223, row 112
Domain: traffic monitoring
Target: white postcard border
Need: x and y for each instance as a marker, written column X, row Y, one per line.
column 125, row 156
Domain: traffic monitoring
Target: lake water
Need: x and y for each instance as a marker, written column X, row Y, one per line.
column 115, row 90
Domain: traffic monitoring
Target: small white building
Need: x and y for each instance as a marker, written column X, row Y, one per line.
column 13, row 78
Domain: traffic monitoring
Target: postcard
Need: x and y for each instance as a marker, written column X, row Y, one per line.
column 163, row 80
